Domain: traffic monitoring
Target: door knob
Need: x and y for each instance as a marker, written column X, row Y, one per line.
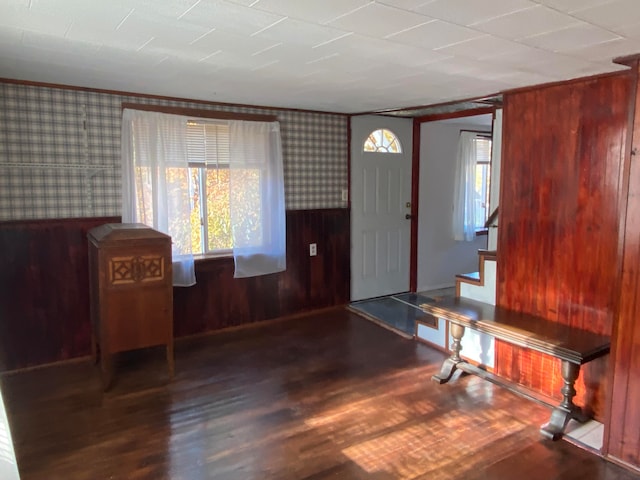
column 407, row 216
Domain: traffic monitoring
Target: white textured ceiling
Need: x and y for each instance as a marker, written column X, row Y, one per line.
column 334, row 55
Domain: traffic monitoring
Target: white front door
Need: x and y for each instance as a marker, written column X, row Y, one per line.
column 380, row 204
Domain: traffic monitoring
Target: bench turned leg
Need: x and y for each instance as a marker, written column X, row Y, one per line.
column 449, row 365
column 567, row 410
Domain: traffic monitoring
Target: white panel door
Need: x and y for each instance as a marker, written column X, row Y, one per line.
column 380, row 204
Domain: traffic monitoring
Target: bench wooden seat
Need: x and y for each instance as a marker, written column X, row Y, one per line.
column 573, row 346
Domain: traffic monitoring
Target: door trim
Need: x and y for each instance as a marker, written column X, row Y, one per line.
column 415, row 198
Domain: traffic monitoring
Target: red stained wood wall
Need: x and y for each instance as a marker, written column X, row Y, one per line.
column 559, row 247
column 622, row 432
column 44, row 295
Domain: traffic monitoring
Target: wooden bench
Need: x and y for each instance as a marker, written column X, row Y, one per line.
column 573, row 346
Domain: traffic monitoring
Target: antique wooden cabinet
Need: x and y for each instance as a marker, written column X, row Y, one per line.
column 131, row 292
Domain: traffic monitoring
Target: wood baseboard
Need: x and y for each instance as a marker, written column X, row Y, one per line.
column 632, row 468
column 88, row 358
column 68, row 361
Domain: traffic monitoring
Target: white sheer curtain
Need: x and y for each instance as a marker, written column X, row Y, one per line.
column 256, row 183
column 464, row 205
column 155, row 186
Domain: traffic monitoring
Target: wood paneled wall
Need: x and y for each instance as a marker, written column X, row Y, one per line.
column 44, row 295
column 559, row 248
column 44, row 290
column 622, row 433
column 218, row 300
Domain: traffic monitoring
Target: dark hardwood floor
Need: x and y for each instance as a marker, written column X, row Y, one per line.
column 327, row 396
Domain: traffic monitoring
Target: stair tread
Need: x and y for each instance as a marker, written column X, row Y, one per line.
column 469, row 276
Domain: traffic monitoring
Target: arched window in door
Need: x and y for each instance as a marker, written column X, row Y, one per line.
column 382, row 141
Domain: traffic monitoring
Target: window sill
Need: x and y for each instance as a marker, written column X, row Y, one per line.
column 207, row 257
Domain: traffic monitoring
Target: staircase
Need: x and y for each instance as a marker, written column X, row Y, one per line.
column 478, row 348
column 480, row 285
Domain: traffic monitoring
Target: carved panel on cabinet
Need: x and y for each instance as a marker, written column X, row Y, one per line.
column 136, row 269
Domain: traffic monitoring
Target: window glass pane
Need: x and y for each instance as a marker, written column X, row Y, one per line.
column 218, row 219
column 388, row 140
column 196, row 211
column 382, row 140
column 370, row 143
column 481, row 188
column 487, row 183
column 378, row 137
column 479, row 195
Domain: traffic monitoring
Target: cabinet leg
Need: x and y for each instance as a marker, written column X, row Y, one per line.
column 450, row 364
column 94, row 348
column 567, row 410
column 170, row 359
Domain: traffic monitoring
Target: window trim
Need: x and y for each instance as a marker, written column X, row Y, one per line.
column 201, row 113
column 487, row 135
column 211, row 256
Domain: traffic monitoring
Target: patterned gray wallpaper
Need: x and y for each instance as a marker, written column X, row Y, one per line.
column 60, row 152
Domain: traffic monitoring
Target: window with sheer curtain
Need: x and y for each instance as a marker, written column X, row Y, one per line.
column 471, row 189
column 215, row 186
column 209, row 168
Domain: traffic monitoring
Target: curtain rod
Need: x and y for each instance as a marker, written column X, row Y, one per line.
column 480, row 133
column 200, row 113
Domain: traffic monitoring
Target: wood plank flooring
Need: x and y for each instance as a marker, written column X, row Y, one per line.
column 327, row 396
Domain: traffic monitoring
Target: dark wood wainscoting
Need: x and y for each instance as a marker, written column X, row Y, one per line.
column 559, row 248
column 44, row 293
column 219, row 301
column 44, row 290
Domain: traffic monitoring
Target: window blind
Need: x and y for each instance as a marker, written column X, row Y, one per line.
column 208, row 143
column 483, row 150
